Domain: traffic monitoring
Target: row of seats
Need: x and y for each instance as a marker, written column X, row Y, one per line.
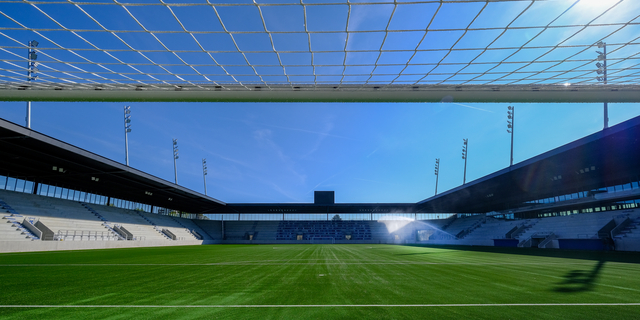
column 338, row 230
column 73, row 221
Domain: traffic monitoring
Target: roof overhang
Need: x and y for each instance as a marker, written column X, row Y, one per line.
column 605, row 158
column 29, row 155
column 336, row 208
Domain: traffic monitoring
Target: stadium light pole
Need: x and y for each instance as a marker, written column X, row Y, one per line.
column 175, row 157
column 437, row 172
column 602, row 70
column 204, row 174
column 127, row 129
column 465, row 144
column 32, row 71
column 511, row 120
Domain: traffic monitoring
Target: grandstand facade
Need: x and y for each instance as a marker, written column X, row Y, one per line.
column 583, row 195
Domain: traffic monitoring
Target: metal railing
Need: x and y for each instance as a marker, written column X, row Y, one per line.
column 82, row 235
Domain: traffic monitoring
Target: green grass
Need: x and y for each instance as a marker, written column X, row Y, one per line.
column 296, row 281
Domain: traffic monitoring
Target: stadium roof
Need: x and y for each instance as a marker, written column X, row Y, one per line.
column 332, row 50
column 605, row 158
column 29, row 155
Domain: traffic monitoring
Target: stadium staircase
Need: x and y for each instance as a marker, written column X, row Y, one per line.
column 155, row 227
column 517, row 231
column 629, row 229
column 191, row 228
column 460, row 227
column 211, row 228
column 493, row 229
column 169, row 223
column 68, row 220
column 13, row 229
column 105, row 222
column 139, row 228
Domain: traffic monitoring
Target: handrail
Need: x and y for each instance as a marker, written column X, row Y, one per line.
column 549, row 238
column 84, row 235
column 27, row 224
column 618, row 229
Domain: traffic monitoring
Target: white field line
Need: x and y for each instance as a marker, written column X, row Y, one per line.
column 333, row 305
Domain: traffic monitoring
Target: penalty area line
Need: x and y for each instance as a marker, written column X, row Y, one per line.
column 332, row 305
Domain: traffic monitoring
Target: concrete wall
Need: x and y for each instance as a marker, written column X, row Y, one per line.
column 462, row 242
column 627, row 244
column 25, row 246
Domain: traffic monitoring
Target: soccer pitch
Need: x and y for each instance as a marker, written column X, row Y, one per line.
column 320, row 281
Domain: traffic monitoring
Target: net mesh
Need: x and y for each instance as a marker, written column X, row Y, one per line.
column 276, row 44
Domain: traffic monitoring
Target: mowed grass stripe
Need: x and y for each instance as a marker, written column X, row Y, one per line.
column 333, row 305
column 270, row 263
column 343, row 277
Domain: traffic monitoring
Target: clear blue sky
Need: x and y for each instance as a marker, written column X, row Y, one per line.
column 283, row 152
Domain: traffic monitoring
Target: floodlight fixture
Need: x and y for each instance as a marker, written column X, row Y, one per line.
column 437, row 173
column 204, row 174
column 175, row 157
column 465, row 148
column 127, row 129
column 511, row 120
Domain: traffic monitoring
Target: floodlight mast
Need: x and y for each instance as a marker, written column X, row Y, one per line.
column 175, row 157
column 511, row 120
column 204, row 174
column 31, row 73
column 437, row 172
column 127, row 129
column 465, row 144
column 602, row 70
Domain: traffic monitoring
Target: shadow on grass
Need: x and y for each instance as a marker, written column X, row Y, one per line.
column 603, row 256
column 580, row 280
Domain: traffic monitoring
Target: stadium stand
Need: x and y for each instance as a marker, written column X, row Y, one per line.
column 213, row 229
column 630, row 230
column 63, row 222
column 603, row 216
column 462, row 226
column 169, row 223
column 140, row 228
column 379, row 232
column 239, row 230
column 323, row 230
column 67, row 219
column 493, row 229
column 72, row 221
column 582, row 226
